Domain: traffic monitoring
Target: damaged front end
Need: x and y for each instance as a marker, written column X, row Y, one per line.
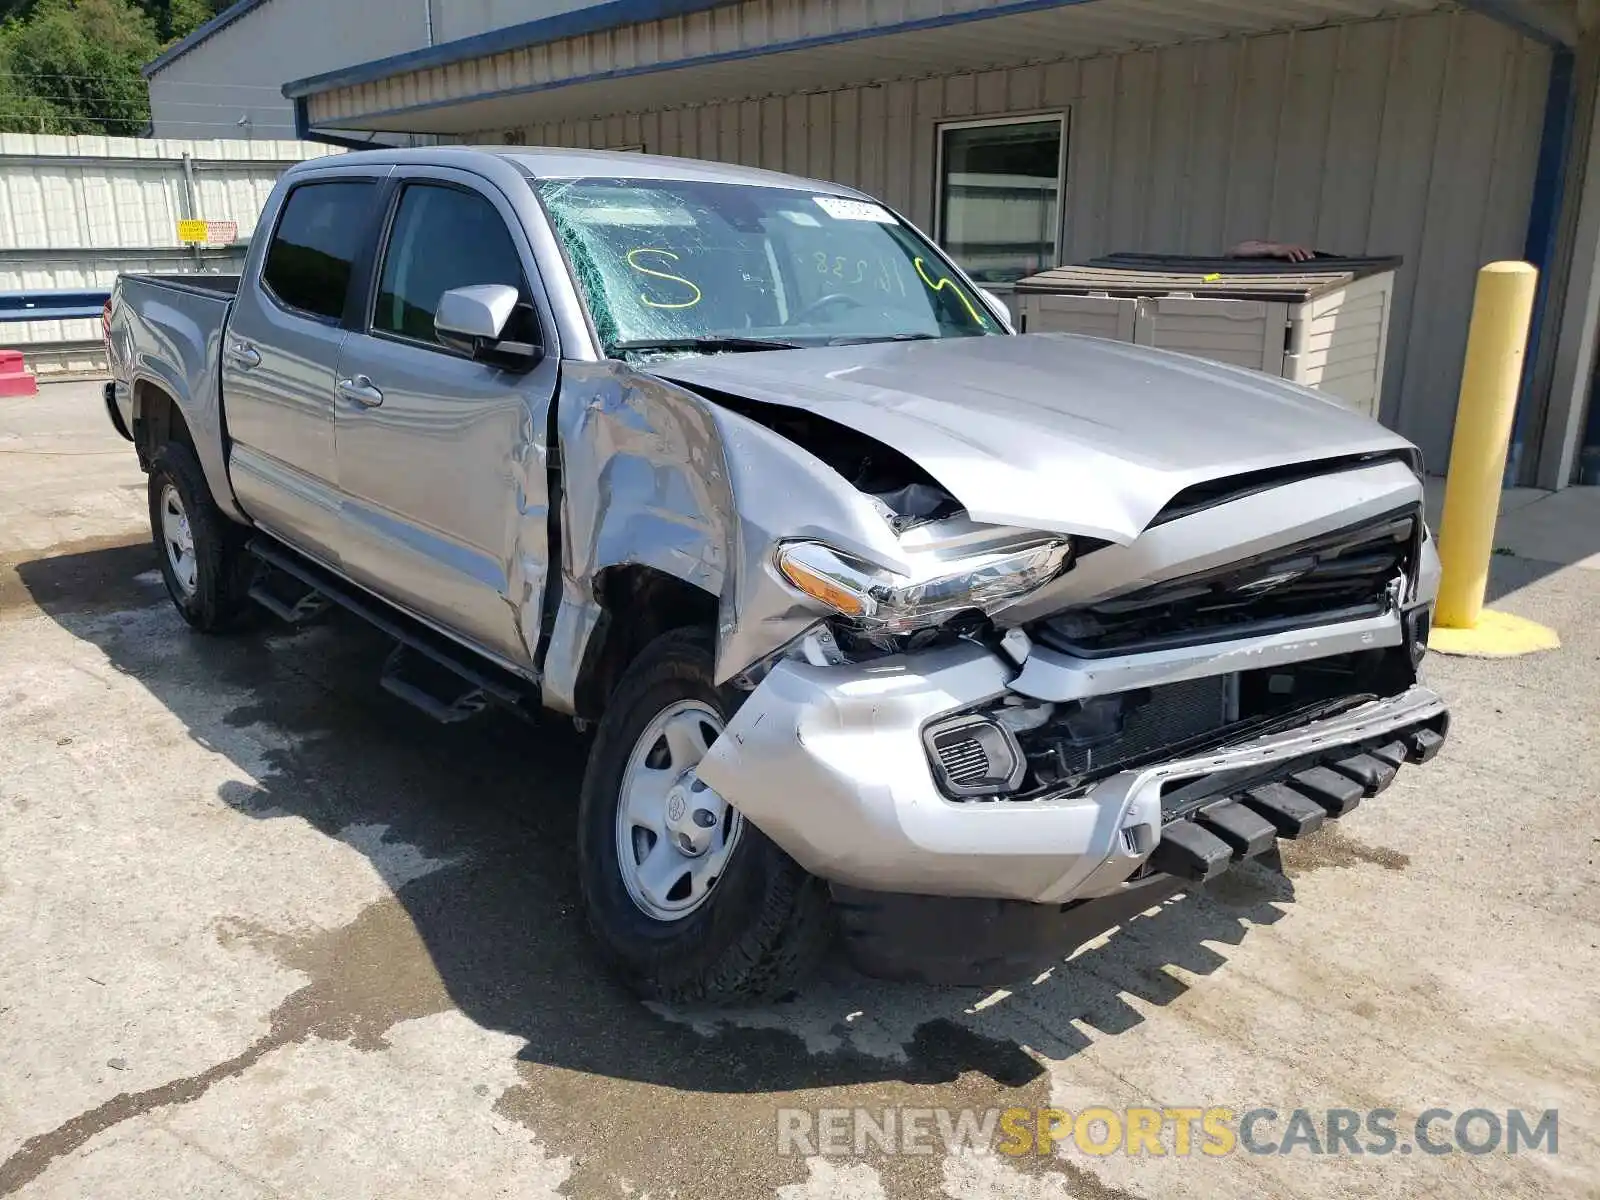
column 1111, row 721
column 939, row 576
column 1037, row 720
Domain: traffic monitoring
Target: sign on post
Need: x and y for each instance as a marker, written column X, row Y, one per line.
column 207, row 233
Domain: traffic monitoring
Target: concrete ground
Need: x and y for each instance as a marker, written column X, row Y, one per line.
column 264, row 931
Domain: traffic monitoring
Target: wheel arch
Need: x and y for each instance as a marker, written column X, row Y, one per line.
column 164, row 410
column 636, row 603
column 157, row 420
column 666, row 481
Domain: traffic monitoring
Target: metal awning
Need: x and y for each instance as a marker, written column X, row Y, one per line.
column 637, row 55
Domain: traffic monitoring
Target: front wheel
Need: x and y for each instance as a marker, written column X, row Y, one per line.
column 689, row 901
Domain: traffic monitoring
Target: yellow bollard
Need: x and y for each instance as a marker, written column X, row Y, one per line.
column 1490, row 378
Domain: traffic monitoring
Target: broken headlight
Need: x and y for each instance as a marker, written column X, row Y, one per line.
column 882, row 601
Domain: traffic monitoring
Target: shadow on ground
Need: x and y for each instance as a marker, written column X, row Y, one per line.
column 1510, row 574
column 501, row 929
column 1536, row 535
column 97, row 575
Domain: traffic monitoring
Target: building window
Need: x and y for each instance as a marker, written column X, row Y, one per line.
column 999, row 200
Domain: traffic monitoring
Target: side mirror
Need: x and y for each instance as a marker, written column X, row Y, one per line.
column 471, row 319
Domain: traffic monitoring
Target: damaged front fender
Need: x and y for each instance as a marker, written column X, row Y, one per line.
column 655, row 475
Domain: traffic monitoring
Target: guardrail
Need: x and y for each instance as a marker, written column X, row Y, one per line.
column 52, row 305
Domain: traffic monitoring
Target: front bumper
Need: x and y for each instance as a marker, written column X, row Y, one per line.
column 829, row 762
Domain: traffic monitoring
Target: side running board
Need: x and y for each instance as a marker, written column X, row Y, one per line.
column 425, row 669
column 295, row 604
column 442, row 693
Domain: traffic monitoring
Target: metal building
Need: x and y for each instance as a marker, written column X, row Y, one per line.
column 225, row 80
column 1027, row 133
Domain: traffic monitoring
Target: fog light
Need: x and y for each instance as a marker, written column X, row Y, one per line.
column 973, row 756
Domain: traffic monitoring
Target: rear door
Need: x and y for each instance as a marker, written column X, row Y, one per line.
column 279, row 352
column 441, row 458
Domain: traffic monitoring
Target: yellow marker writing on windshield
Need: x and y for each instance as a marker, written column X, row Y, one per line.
column 947, row 283
column 649, row 303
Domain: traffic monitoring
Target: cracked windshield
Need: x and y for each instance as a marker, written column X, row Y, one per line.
column 671, row 266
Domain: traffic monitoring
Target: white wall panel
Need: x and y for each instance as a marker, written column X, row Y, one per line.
column 76, row 211
column 82, row 192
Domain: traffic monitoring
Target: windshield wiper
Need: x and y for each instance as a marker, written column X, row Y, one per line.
column 861, row 339
column 706, row 344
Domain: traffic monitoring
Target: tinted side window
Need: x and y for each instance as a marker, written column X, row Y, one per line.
column 445, row 238
column 318, row 237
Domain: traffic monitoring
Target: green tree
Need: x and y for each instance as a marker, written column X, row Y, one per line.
column 173, row 18
column 20, row 110
column 183, row 17
column 72, row 66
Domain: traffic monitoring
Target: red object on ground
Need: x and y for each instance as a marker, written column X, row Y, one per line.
column 15, row 378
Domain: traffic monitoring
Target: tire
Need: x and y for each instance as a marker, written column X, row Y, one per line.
column 761, row 928
column 210, row 586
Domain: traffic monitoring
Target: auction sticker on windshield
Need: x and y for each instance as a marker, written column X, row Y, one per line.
column 842, row 209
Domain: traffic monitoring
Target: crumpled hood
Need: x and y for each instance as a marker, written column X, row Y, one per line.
column 1051, row 431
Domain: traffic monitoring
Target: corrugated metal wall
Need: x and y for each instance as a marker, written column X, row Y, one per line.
column 738, row 48
column 462, row 18
column 76, row 211
column 1415, row 136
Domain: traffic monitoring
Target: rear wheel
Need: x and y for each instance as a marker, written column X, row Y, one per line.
column 689, row 901
column 201, row 553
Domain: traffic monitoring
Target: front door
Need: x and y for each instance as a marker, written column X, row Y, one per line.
column 279, row 352
column 441, row 459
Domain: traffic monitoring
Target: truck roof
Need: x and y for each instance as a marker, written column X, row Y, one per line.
column 559, row 162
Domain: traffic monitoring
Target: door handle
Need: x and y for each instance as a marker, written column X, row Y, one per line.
column 361, row 390
column 244, row 356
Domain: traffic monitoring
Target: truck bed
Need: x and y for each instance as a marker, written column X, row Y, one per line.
column 176, row 322
column 213, row 285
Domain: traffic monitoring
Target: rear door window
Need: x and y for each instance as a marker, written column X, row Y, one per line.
column 444, row 238
column 310, row 260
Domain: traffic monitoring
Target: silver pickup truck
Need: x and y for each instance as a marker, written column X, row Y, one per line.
column 892, row 623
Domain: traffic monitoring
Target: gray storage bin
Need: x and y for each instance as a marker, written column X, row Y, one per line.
column 1323, row 323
